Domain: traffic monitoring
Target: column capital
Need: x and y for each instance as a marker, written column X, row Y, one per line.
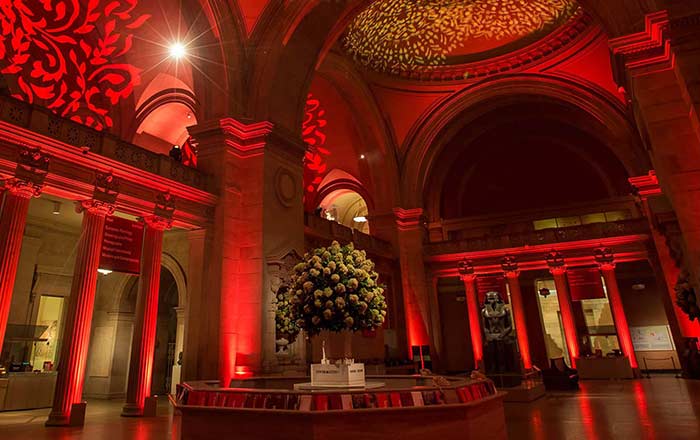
column 157, row 223
column 408, row 219
column 605, row 258
column 30, row 173
column 556, row 263
column 96, row 207
column 162, row 217
column 104, row 195
column 510, row 266
column 466, row 270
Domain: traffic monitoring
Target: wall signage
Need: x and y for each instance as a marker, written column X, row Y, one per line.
column 652, row 338
column 585, row 284
column 487, row 284
column 121, row 245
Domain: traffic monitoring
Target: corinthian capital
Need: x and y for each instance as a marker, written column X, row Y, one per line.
column 510, row 266
column 30, row 174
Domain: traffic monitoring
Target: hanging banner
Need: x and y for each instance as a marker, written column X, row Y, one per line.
column 121, row 245
column 487, row 284
column 585, row 284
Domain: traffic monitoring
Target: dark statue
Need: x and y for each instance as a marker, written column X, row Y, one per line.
column 500, row 354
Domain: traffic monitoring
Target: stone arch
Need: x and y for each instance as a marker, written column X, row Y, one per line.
column 173, row 266
column 430, row 134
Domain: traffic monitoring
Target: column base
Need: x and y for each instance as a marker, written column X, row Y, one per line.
column 148, row 410
column 75, row 418
column 132, row 410
column 636, row 373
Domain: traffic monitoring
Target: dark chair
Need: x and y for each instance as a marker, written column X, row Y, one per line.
column 559, row 376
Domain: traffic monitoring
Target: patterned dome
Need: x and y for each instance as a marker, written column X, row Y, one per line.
column 394, row 36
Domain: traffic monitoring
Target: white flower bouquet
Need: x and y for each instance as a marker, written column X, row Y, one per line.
column 335, row 289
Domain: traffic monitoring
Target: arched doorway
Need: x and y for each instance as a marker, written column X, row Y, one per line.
column 165, row 354
column 346, row 207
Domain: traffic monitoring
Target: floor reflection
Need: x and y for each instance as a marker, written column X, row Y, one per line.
column 661, row 408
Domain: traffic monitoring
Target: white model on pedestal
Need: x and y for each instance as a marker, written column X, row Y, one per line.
column 343, row 374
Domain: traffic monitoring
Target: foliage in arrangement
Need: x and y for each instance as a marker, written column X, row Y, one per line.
column 686, row 298
column 333, row 288
column 285, row 326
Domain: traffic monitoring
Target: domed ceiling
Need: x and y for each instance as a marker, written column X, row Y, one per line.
column 395, row 36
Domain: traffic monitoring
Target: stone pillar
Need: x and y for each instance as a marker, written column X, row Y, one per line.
column 658, row 69
column 146, row 316
column 466, row 273
column 557, row 268
column 258, row 170
column 510, row 269
column 194, row 345
column 68, row 408
column 31, row 171
column 646, row 188
column 413, row 280
column 605, row 259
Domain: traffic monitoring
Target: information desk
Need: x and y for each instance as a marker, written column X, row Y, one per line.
column 407, row 407
column 27, row 391
column 604, row 368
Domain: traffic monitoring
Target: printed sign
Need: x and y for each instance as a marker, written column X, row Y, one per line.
column 487, row 284
column 585, row 284
column 121, row 245
column 652, row 338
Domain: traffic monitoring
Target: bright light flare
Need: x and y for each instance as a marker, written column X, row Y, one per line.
column 177, row 50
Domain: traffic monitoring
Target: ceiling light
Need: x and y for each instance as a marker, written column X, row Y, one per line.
column 360, row 219
column 362, row 156
column 177, row 50
column 56, row 208
column 104, row 271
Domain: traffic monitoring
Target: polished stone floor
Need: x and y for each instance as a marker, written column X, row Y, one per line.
column 662, row 408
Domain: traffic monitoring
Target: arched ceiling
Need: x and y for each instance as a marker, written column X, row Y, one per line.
column 395, row 36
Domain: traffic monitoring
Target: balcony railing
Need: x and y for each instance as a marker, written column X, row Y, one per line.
column 321, row 228
column 41, row 121
column 544, row 236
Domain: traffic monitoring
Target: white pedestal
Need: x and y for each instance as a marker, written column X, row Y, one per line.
column 338, row 376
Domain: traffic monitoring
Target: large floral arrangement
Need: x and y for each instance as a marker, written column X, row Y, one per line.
column 336, row 289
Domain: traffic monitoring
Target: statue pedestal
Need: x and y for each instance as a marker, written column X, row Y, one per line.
column 338, row 376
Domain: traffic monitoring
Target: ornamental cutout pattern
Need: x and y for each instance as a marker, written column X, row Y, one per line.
column 397, row 35
column 313, row 134
column 65, row 55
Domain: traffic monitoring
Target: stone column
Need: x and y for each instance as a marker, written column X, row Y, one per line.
column 510, row 269
column 646, row 188
column 257, row 169
column 557, row 268
column 466, row 273
column 31, row 171
column 143, row 343
column 413, row 280
column 605, row 259
column 68, row 408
